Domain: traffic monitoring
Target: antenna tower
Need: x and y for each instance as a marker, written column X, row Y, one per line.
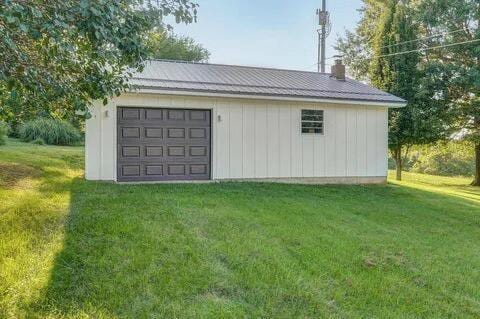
column 325, row 27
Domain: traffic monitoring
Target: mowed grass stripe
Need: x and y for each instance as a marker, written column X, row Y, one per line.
column 78, row 249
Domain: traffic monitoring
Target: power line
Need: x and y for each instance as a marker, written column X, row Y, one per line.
column 424, row 38
column 430, row 48
column 410, row 51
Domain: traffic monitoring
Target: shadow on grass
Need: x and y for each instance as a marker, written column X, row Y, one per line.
column 125, row 253
column 465, row 192
column 140, row 251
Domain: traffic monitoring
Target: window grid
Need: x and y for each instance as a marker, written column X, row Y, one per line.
column 312, row 121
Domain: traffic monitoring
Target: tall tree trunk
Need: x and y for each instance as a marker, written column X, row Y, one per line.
column 476, row 122
column 397, row 156
column 476, row 181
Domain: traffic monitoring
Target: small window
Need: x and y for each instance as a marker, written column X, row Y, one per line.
column 312, row 121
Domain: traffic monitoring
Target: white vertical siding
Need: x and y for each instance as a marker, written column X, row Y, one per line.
column 248, row 141
column 340, row 132
column 285, row 141
column 371, row 139
column 261, row 155
column 273, row 140
column 235, row 141
column 261, row 139
column 108, row 137
column 93, row 146
column 319, row 156
column 351, row 142
column 222, row 151
column 296, row 155
column 382, row 144
column 361, row 140
column 330, row 141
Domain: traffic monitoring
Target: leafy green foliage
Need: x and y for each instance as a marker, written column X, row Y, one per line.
column 372, row 52
column 50, row 131
column 398, row 75
column 38, row 141
column 3, row 132
column 164, row 45
column 62, row 54
column 459, row 20
column 402, row 75
column 356, row 55
column 446, row 96
column 447, row 159
column 453, row 158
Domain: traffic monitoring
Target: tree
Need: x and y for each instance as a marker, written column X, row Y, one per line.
column 164, row 45
column 355, row 54
column 459, row 22
column 386, row 29
column 63, row 54
column 399, row 75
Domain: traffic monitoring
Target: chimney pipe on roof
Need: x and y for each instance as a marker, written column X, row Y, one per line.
column 338, row 69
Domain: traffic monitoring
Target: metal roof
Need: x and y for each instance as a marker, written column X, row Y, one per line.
column 244, row 80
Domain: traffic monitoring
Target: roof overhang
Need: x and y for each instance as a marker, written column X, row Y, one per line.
column 163, row 91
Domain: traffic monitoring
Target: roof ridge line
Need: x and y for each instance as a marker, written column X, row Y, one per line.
column 260, row 86
column 235, row 65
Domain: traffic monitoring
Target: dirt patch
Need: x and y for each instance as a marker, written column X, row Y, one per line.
column 12, row 174
column 385, row 259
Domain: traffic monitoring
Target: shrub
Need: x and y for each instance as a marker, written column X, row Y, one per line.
column 38, row 141
column 452, row 158
column 51, row 131
column 447, row 159
column 3, row 132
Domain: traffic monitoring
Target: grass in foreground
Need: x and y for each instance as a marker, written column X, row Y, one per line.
column 76, row 249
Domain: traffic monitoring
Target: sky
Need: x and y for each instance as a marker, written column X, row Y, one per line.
column 267, row 33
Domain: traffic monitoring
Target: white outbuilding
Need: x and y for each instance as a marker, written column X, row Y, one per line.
column 197, row 121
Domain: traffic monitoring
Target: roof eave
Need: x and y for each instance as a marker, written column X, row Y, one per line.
column 167, row 91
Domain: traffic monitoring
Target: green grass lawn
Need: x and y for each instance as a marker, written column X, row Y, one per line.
column 76, row 249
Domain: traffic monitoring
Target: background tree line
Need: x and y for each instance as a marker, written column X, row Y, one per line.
column 57, row 56
column 427, row 52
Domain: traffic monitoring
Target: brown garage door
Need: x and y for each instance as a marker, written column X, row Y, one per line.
column 163, row 144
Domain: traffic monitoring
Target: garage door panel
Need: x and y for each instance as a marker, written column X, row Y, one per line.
column 154, row 114
column 143, row 154
column 165, row 177
column 200, row 169
column 168, row 142
column 176, row 169
column 163, row 144
column 164, row 123
column 153, row 151
column 198, row 132
column 176, row 133
column 130, row 114
column 196, row 151
column 176, row 115
column 153, row 132
column 201, row 116
column 176, row 151
column 154, row 170
column 131, row 170
column 131, row 151
column 130, row 132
